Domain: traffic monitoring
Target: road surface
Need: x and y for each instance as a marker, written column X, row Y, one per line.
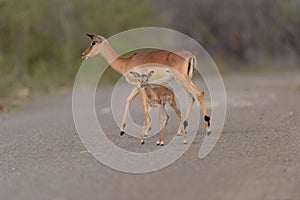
column 256, row 157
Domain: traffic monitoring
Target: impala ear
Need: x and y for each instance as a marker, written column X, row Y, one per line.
column 90, row 36
column 135, row 75
column 100, row 40
column 150, row 74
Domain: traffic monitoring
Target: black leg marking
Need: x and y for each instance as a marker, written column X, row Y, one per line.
column 193, row 99
column 185, row 124
column 207, row 119
column 124, row 125
column 122, row 133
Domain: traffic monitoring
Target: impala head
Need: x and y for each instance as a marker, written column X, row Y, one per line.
column 95, row 47
column 143, row 79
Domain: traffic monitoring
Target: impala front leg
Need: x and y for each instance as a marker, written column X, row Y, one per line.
column 132, row 95
column 149, row 127
column 146, row 114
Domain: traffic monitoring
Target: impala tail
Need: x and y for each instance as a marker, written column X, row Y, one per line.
column 191, row 66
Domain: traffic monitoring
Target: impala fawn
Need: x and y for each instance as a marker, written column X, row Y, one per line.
column 158, row 96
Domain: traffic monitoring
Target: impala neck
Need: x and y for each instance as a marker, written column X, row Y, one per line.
column 112, row 58
column 148, row 90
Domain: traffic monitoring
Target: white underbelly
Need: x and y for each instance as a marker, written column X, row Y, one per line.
column 163, row 80
column 161, row 75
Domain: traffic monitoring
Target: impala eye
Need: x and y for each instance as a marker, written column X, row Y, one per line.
column 93, row 43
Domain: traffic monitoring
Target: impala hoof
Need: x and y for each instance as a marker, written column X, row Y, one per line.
column 184, row 141
column 122, row 133
column 208, row 133
column 162, row 143
column 142, row 142
column 185, row 124
column 157, row 143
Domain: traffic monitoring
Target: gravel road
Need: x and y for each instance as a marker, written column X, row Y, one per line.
column 256, row 157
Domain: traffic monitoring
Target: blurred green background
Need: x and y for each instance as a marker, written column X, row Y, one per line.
column 41, row 41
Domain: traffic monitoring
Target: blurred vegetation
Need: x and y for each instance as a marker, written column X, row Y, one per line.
column 41, row 41
column 240, row 30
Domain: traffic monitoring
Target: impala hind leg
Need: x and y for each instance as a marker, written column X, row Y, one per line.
column 160, row 125
column 173, row 104
column 191, row 101
column 163, row 119
column 192, row 89
column 184, row 123
column 132, row 95
column 188, row 90
column 146, row 114
column 200, row 96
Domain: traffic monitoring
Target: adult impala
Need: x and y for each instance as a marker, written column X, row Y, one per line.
column 166, row 65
